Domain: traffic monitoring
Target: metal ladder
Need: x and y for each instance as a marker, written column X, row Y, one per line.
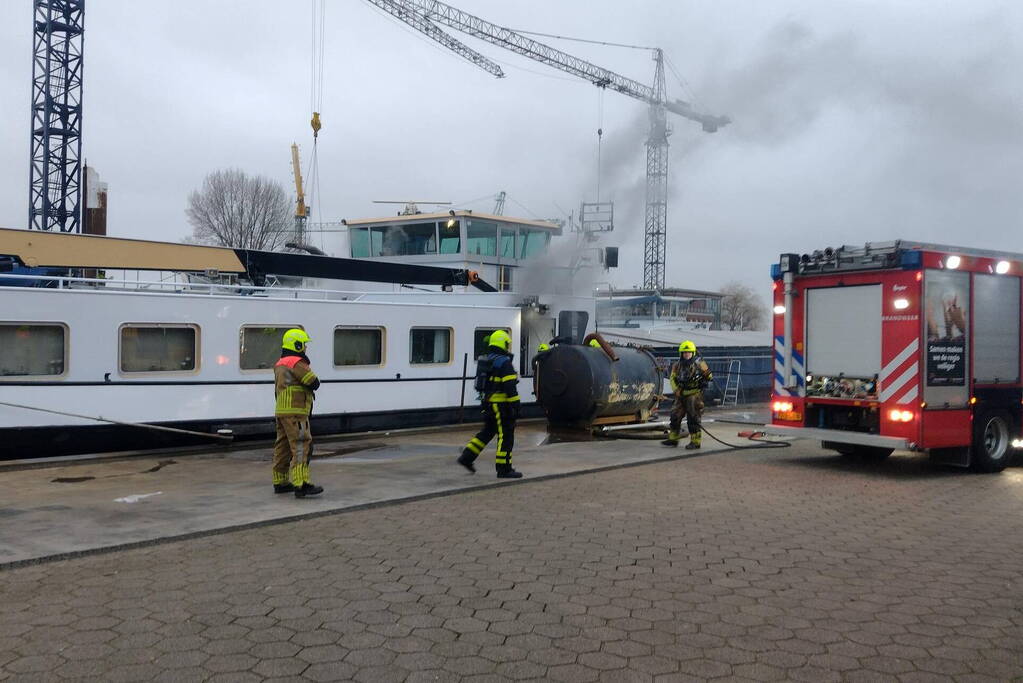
column 731, row 394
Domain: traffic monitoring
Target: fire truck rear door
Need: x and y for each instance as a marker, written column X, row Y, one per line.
column 843, row 331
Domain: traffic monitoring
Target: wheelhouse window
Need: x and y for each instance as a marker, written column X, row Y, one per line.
column 450, row 236
column 260, row 346
column 409, row 240
column 481, row 238
column 358, row 346
column 430, row 345
column 366, row 242
column 507, row 243
column 33, row 349
column 479, row 345
column 159, row 348
column 533, row 243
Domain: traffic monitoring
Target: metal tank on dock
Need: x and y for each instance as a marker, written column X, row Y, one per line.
column 583, row 386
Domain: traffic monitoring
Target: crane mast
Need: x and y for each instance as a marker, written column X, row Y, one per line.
column 301, row 210
column 426, row 15
column 57, row 60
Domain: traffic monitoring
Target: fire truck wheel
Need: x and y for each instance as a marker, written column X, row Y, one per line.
column 990, row 450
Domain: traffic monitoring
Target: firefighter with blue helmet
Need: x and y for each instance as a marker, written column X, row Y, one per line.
column 497, row 383
column 294, row 384
column 689, row 377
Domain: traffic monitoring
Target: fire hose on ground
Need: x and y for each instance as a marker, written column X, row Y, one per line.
column 630, row 432
column 142, row 425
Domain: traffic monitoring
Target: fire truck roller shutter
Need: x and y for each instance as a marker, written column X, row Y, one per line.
column 843, row 331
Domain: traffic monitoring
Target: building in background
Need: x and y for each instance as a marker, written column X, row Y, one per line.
column 652, row 308
column 95, row 192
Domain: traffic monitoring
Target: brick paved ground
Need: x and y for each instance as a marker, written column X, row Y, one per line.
column 760, row 566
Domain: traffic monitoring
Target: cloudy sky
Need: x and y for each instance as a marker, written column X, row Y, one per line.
column 853, row 121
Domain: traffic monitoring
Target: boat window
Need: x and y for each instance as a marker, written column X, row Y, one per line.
column 358, row 346
column 33, row 349
column 507, row 242
column 366, row 241
column 481, row 239
column 409, row 240
column 260, row 346
column 430, row 345
column 359, row 240
column 159, row 348
column 480, row 347
column 533, row 243
column 450, row 236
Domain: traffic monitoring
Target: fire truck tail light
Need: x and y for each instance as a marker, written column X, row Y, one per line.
column 901, row 304
column 782, row 407
column 897, row 415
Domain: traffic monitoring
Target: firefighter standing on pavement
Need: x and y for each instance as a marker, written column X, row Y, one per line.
column 499, row 388
column 689, row 377
column 294, row 384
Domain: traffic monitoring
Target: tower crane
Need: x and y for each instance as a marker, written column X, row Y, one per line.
column 301, row 210
column 426, row 15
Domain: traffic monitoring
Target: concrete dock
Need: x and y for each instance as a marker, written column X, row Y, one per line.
column 607, row 563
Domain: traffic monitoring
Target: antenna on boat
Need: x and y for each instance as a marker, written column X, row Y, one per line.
column 411, row 205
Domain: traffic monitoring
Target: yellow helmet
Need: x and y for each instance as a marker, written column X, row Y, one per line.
column 687, row 346
column 595, row 344
column 295, row 339
column 542, row 348
column 500, row 339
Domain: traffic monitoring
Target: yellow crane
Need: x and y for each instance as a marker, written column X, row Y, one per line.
column 301, row 210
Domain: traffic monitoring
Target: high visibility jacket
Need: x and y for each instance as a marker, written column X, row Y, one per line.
column 503, row 382
column 294, row 384
column 691, row 378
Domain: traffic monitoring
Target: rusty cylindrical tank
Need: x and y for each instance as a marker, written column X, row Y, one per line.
column 579, row 386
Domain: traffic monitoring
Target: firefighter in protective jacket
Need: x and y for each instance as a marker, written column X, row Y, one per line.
column 498, row 385
column 689, row 377
column 294, row 384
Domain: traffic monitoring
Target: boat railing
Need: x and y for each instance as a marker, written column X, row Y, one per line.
column 271, row 290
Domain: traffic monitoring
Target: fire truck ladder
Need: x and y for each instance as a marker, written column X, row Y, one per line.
column 730, row 397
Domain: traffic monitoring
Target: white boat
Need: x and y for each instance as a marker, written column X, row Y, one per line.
column 195, row 351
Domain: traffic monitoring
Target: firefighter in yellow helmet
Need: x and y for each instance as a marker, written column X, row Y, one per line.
column 497, row 383
column 294, row 384
column 689, row 377
column 541, row 352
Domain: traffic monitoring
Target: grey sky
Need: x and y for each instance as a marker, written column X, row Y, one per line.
column 853, row 121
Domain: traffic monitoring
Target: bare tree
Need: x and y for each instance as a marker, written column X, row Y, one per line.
column 741, row 308
column 234, row 209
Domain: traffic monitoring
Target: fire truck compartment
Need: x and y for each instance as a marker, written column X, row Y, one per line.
column 843, row 331
column 844, row 418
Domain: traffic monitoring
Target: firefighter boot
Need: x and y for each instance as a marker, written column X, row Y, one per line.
column 694, row 441
column 672, row 440
column 505, row 471
column 286, row 487
column 466, row 459
column 308, row 489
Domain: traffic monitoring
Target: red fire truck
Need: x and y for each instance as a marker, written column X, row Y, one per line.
column 900, row 345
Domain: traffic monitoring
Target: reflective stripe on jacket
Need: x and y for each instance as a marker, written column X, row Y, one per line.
column 504, row 381
column 294, row 383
